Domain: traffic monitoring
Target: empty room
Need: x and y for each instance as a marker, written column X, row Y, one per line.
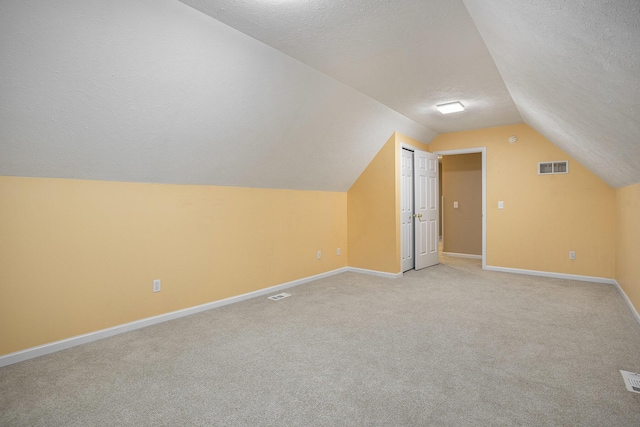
column 319, row 213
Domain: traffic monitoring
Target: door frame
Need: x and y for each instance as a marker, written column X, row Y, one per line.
column 413, row 225
column 482, row 150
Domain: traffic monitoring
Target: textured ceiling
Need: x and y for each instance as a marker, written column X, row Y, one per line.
column 408, row 54
column 573, row 70
column 303, row 93
column 155, row 91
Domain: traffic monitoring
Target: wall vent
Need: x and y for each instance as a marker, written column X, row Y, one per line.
column 631, row 380
column 279, row 296
column 551, row 168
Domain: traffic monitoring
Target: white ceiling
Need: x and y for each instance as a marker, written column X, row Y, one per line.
column 155, row 91
column 409, row 55
column 573, row 70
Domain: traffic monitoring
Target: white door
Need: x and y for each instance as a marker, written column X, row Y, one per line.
column 426, row 209
column 406, row 210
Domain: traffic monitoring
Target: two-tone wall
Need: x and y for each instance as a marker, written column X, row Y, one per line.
column 544, row 217
column 80, row 256
column 374, row 210
column 371, row 214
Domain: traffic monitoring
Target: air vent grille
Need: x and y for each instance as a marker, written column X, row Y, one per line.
column 631, row 380
column 279, row 296
column 551, row 168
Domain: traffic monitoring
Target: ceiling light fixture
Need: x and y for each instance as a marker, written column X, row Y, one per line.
column 451, row 107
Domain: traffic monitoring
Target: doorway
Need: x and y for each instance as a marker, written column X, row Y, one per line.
column 461, row 205
column 449, row 205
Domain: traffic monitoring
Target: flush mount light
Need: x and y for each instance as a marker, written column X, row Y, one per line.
column 451, row 107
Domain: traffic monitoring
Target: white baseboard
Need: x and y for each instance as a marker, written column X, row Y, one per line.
column 375, row 272
column 41, row 350
column 551, row 274
column 453, row 254
column 53, row 347
column 629, row 303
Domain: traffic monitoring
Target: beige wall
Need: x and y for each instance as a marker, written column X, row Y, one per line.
column 440, row 194
column 80, row 256
column 374, row 210
column 462, row 183
column 544, row 217
column 371, row 215
column 628, row 242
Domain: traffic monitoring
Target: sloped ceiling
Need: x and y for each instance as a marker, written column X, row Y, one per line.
column 155, row 91
column 573, row 70
column 302, row 93
column 408, row 54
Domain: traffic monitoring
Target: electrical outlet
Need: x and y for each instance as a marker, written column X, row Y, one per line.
column 338, row 252
column 319, row 254
column 572, row 255
column 156, row 285
column 500, row 204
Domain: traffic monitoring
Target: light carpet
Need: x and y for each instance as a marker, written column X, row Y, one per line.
column 450, row 345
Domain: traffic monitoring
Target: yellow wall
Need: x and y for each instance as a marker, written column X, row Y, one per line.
column 373, row 206
column 544, row 216
column 371, row 216
column 628, row 242
column 462, row 183
column 80, row 256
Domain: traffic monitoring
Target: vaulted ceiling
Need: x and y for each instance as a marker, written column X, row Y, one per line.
column 303, row 93
column 573, row 70
column 409, row 55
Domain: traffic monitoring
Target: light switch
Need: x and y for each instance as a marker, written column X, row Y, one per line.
column 500, row 204
column 455, row 205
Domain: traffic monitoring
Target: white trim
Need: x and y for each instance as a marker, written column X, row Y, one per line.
column 441, row 237
column 551, row 274
column 453, row 254
column 628, row 301
column 375, row 272
column 482, row 150
column 412, row 262
column 552, row 162
column 53, row 347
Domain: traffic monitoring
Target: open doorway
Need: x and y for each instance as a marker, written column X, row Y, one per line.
column 463, row 203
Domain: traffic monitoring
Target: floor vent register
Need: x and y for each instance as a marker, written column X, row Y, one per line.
column 631, row 380
column 279, row 296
